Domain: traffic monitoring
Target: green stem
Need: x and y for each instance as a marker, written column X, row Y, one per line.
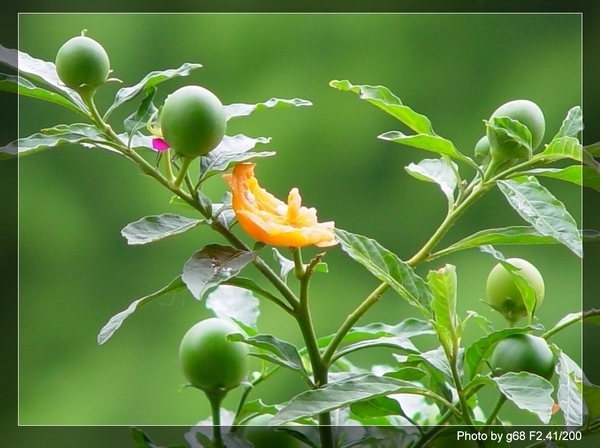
column 167, row 166
column 431, row 432
column 185, row 164
column 352, row 318
column 579, row 318
column 492, row 417
column 448, row 222
column 216, row 398
column 466, row 410
column 320, row 370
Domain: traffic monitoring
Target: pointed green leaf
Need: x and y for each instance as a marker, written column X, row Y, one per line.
column 151, row 79
column 341, row 394
column 593, row 149
column 570, row 384
column 591, row 395
column 231, row 150
column 231, row 302
column 443, row 286
column 407, row 328
column 41, row 71
column 77, row 133
column 510, row 135
column 562, row 148
column 250, row 285
column 528, row 392
column 144, row 112
column 387, row 267
column 438, row 171
column 381, row 97
column 536, row 205
column 242, row 110
column 285, row 265
column 572, row 125
column 282, row 353
column 520, row 235
column 155, row 228
column 399, row 343
column 213, row 265
column 433, row 143
column 117, row 320
column 578, row 174
column 377, row 407
column 141, row 439
column 20, row 85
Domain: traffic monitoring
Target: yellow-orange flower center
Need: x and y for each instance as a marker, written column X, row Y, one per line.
column 272, row 221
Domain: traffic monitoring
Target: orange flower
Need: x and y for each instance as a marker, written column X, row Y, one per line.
column 267, row 219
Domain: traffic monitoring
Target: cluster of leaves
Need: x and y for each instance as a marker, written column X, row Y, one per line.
column 422, row 387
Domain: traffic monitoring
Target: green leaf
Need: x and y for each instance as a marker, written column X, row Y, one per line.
column 443, row 285
column 242, row 110
column 528, row 392
column 20, row 85
column 572, row 125
column 223, row 212
column 151, row 79
column 377, row 407
column 141, row 439
column 591, row 396
column 212, row 265
column 343, row 393
column 250, row 285
column 41, row 71
column 282, row 353
column 438, row 171
column 519, row 235
column 260, row 407
column 570, row 384
column 117, row 320
column 234, row 303
column 77, row 133
column 433, row 143
column 231, row 151
column 285, row 265
column 592, row 316
column 155, row 228
column 399, row 343
column 479, row 350
column 536, row 205
column 407, row 374
column 562, row 148
column 387, row 267
column 408, row 328
column 510, row 136
column 144, row 112
column 578, row 174
column 593, row 149
column 381, row 97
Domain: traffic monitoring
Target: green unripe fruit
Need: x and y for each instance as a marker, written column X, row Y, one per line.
column 82, row 63
column 482, row 151
column 193, row 121
column 209, row 361
column 503, row 293
column 527, row 113
column 523, row 353
column 259, row 434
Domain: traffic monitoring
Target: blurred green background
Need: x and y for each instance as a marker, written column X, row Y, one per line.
column 76, row 271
